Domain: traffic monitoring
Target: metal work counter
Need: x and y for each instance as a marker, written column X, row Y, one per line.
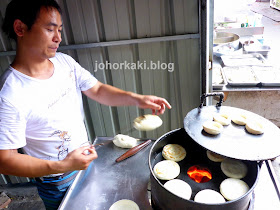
column 105, row 181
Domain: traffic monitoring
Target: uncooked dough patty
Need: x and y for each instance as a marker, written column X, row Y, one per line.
column 234, row 168
column 124, row 204
column 240, row 119
column 147, row 122
column 124, row 141
column 212, row 127
column 174, row 152
column 254, row 128
column 223, row 119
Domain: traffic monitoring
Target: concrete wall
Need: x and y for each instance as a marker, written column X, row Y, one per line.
column 263, row 103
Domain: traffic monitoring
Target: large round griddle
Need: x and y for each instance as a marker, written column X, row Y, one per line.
column 234, row 141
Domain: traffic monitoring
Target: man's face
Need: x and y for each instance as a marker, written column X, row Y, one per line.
column 44, row 36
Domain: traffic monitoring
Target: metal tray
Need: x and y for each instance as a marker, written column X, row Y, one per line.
column 252, row 59
column 241, row 76
column 268, row 76
column 263, row 49
column 217, row 72
column 105, row 181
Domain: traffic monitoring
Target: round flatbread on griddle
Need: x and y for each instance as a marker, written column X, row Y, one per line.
column 179, row 187
column 167, row 170
column 209, row 196
column 174, row 152
column 232, row 188
column 147, row 122
column 234, row 168
column 214, row 157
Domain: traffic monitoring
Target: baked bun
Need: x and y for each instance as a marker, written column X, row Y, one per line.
column 223, row 119
column 167, row 170
column 179, row 187
column 214, row 156
column 147, row 122
column 239, row 119
column 124, row 141
column 174, row 152
column 232, row 188
column 124, row 204
column 234, row 168
column 212, row 127
column 254, row 128
column 209, row 196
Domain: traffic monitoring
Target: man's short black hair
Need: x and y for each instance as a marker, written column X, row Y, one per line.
column 27, row 11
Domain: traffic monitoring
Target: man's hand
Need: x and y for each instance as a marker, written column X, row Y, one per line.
column 155, row 103
column 80, row 158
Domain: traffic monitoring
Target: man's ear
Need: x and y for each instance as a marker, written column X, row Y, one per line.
column 19, row 27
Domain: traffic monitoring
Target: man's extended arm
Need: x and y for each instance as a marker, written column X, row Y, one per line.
column 112, row 96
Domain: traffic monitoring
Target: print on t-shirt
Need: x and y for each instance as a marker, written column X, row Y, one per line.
column 63, row 148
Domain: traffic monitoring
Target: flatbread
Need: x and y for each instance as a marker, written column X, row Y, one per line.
column 124, row 204
column 167, row 170
column 234, row 168
column 147, row 122
column 209, row 196
column 212, row 127
column 214, row 157
column 179, row 187
column 222, row 118
column 174, row 152
column 124, row 141
column 232, row 188
column 239, row 119
column 254, row 128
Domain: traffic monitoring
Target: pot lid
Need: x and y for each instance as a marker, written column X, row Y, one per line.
column 234, row 141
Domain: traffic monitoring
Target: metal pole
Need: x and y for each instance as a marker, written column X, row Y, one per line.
column 117, row 43
column 273, row 176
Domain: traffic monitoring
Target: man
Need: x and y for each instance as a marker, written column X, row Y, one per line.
column 41, row 102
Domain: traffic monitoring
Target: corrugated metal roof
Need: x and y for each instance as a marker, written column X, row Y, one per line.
column 96, row 21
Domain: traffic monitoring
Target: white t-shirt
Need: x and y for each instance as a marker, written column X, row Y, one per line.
column 45, row 117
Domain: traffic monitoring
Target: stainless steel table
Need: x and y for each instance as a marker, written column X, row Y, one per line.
column 105, row 181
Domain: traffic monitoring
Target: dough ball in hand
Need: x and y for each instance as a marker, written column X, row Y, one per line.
column 147, row 122
column 174, row 152
column 124, row 141
column 212, row 127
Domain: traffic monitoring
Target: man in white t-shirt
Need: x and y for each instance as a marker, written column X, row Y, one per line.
column 41, row 102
